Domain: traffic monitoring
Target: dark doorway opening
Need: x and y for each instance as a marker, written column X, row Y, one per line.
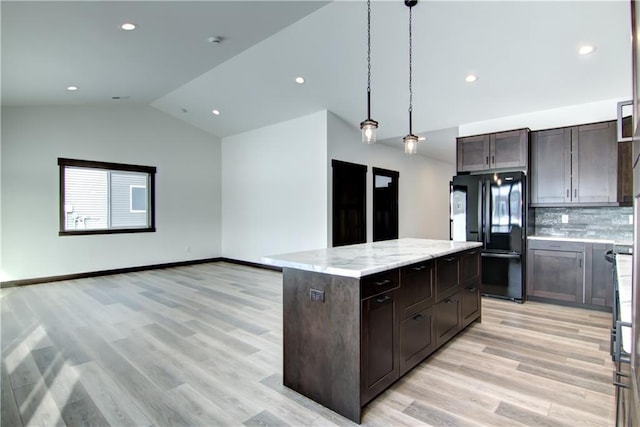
column 349, row 203
column 385, row 204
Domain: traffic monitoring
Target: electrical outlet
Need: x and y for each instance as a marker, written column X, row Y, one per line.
column 630, row 219
column 565, row 219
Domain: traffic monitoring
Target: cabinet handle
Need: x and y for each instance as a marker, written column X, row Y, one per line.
column 472, row 253
column 383, row 282
column 575, row 193
column 580, row 262
column 418, row 317
column 487, row 160
column 616, row 382
column 473, row 289
column 568, row 193
column 419, row 268
column 493, row 160
column 383, row 299
column 449, row 301
column 450, row 259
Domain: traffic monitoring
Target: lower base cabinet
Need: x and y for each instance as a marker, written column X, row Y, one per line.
column 380, row 362
column 348, row 339
column 573, row 273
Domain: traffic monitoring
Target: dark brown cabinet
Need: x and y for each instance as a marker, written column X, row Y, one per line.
column 551, row 166
column 500, row 150
column 457, row 293
column 599, row 275
column 417, row 338
column 448, row 275
column 575, row 165
column 380, row 344
column 573, row 272
column 470, row 304
column 556, row 273
column 346, row 339
column 448, row 316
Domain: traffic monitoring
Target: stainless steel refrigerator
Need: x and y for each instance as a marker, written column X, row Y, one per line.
column 491, row 209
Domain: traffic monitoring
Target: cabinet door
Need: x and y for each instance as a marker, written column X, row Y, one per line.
column 470, row 266
column 509, row 149
column 447, row 319
column 551, row 166
column 379, row 344
column 594, row 163
column 470, row 303
column 599, row 277
column 447, row 276
column 417, row 338
column 473, row 153
column 417, row 287
column 555, row 275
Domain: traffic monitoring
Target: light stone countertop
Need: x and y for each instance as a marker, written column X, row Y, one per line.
column 573, row 239
column 623, row 271
column 368, row 258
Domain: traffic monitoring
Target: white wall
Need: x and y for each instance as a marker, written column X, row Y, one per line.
column 187, row 188
column 274, row 189
column 423, row 199
column 547, row 119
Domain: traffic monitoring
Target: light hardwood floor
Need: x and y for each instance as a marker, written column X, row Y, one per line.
column 202, row 346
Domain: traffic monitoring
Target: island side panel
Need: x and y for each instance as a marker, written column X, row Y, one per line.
column 322, row 339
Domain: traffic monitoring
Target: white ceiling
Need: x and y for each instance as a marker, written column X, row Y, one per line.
column 523, row 52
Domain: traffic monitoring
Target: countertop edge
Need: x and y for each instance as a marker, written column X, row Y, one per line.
column 273, row 260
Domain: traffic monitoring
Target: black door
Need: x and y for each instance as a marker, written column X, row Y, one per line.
column 385, row 204
column 349, row 203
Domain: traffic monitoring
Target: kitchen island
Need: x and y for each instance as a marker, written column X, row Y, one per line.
column 356, row 318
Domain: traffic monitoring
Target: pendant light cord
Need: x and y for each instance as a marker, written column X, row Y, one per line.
column 410, row 72
column 368, row 59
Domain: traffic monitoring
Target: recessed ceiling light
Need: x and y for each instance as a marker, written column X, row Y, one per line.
column 215, row 112
column 470, row 78
column 72, row 88
column 586, row 49
column 299, row 80
column 128, row 26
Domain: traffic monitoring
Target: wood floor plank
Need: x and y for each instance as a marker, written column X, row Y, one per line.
column 202, row 345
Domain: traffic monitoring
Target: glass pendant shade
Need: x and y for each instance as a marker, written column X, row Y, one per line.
column 369, row 129
column 410, row 144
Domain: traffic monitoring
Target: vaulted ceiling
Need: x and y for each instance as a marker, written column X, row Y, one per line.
column 524, row 54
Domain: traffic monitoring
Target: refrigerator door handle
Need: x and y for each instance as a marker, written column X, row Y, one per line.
column 480, row 210
column 487, row 212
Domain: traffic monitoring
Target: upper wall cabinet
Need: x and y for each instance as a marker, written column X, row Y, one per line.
column 577, row 165
column 502, row 150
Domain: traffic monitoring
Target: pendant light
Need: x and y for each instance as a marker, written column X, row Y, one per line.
column 411, row 140
column 369, row 126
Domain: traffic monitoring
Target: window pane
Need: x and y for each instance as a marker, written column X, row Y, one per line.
column 86, row 199
column 123, row 212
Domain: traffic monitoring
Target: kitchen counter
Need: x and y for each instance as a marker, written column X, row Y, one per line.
column 576, row 239
column 357, row 318
column 623, row 274
column 368, row 258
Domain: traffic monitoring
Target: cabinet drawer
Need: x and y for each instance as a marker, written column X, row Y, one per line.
column 447, row 318
column 418, row 283
column 417, row 338
column 447, row 276
column 470, row 266
column 556, row 245
column 379, row 283
column 470, row 303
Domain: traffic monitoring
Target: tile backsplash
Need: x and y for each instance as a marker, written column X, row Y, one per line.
column 598, row 223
